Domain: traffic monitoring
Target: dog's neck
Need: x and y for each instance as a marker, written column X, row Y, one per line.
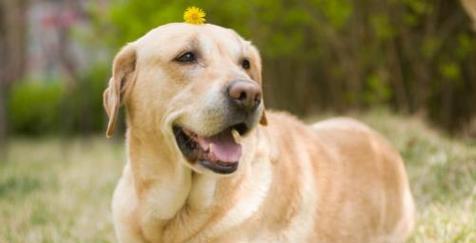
column 170, row 193
column 159, row 174
column 155, row 172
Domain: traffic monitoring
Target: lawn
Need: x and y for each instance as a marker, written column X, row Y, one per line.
column 59, row 189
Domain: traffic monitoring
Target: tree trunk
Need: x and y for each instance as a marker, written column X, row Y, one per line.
column 3, row 124
column 12, row 53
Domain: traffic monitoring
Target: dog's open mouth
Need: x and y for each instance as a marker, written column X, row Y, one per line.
column 219, row 153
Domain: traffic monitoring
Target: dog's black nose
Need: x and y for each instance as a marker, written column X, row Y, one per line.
column 245, row 94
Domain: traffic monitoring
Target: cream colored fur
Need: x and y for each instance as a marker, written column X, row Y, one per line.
column 335, row 181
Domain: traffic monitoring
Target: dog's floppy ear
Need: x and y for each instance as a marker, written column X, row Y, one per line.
column 258, row 76
column 263, row 121
column 123, row 75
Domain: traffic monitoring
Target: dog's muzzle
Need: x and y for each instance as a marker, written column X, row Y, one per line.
column 221, row 152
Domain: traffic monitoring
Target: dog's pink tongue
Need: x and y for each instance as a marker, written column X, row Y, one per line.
column 222, row 147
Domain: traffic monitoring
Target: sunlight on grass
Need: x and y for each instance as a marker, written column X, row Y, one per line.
column 54, row 190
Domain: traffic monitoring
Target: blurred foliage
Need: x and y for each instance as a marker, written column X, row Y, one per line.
column 34, row 106
column 49, row 106
column 414, row 56
column 83, row 103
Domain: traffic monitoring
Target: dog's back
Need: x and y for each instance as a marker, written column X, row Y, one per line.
column 364, row 187
column 338, row 177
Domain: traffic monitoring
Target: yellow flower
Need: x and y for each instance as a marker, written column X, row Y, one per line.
column 194, row 15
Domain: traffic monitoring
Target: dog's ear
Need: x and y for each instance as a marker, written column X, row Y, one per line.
column 263, row 121
column 257, row 75
column 123, row 76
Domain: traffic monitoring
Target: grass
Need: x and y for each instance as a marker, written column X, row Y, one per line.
column 54, row 190
column 57, row 191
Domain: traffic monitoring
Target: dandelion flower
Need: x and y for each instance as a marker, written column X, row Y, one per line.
column 194, row 15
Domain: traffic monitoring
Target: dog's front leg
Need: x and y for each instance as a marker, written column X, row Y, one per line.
column 162, row 202
column 124, row 210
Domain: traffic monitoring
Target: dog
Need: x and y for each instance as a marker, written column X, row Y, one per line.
column 207, row 163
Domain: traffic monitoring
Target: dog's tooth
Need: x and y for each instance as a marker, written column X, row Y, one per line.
column 236, row 135
column 210, row 148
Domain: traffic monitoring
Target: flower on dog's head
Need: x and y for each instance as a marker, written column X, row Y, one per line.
column 194, row 15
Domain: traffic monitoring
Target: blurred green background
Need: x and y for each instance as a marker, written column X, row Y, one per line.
column 407, row 67
column 412, row 56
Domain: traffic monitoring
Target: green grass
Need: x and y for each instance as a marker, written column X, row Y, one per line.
column 54, row 190
column 58, row 191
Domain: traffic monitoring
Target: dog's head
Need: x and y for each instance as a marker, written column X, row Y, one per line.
column 197, row 87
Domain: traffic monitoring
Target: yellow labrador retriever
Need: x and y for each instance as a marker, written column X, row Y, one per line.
column 206, row 164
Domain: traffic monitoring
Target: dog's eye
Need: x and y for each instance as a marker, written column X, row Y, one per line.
column 187, row 57
column 245, row 63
